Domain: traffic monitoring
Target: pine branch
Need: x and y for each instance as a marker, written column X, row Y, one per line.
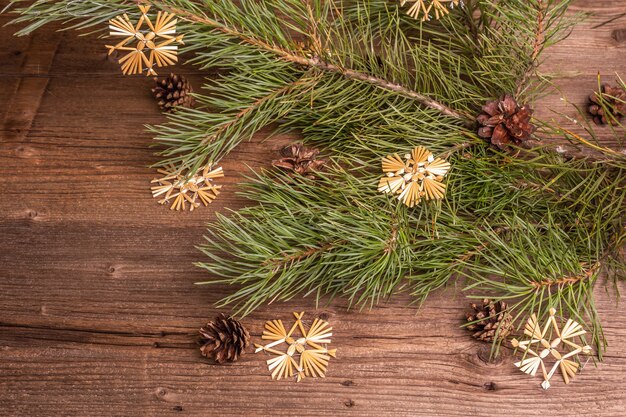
column 317, row 62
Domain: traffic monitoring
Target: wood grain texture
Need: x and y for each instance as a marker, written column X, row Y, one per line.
column 98, row 310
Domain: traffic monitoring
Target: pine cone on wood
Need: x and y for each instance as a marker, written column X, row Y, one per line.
column 489, row 318
column 224, row 339
column 173, row 91
column 298, row 159
column 614, row 101
column 503, row 122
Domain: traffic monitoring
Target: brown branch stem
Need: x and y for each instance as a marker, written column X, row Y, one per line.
column 299, row 256
column 569, row 280
column 542, row 8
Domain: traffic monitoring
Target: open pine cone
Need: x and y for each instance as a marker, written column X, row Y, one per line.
column 297, row 159
column 503, row 122
column 173, row 91
column 614, row 100
column 224, row 339
column 490, row 318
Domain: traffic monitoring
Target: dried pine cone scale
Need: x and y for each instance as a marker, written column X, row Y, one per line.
column 173, row 91
column 504, row 122
column 489, row 320
column 614, row 101
column 224, row 340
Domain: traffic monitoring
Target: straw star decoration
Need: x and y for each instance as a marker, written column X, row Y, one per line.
column 419, row 176
column 424, row 8
column 543, row 347
column 183, row 190
column 311, row 346
column 154, row 44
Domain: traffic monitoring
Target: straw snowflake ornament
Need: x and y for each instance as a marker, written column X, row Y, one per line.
column 425, row 8
column 311, row 346
column 154, row 44
column 183, row 189
column 537, row 349
column 419, row 176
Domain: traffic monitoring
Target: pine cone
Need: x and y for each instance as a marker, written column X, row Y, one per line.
column 224, row 339
column 614, row 100
column 173, row 91
column 489, row 318
column 297, row 159
column 504, row 122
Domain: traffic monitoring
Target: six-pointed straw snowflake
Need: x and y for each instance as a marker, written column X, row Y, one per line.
column 157, row 39
column 534, row 358
column 420, row 176
column 185, row 189
column 424, row 8
column 311, row 346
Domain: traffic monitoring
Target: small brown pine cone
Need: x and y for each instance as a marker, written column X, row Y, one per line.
column 489, row 318
column 608, row 99
column 297, row 159
column 173, row 91
column 503, row 122
column 224, row 339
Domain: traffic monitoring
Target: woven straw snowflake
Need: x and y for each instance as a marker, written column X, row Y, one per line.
column 311, row 346
column 537, row 349
column 183, row 189
column 154, row 43
column 419, row 176
column 424, row 8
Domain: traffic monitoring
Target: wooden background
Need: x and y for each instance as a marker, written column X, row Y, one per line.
column 98, row 310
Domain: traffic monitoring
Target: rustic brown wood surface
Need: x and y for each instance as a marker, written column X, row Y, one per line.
column 98, row 310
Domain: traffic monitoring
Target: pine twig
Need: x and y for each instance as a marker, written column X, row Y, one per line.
column 569, row 280
column 253, row 106
column 538, row 42
column 387, row 85
column 297, row 257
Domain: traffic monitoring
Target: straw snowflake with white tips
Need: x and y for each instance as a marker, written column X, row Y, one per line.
column 311, row 346
column 154, row 44
column 542, row 344
column 419, row 176
column 183, row 190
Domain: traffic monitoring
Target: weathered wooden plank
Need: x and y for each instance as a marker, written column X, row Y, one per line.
column 413, row 364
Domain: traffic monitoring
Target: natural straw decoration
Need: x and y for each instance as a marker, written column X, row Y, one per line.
column 312, row 362
column 420, row 176
column 161, row 54
column 422, row 9
column 533, row 359
column 184, row 189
